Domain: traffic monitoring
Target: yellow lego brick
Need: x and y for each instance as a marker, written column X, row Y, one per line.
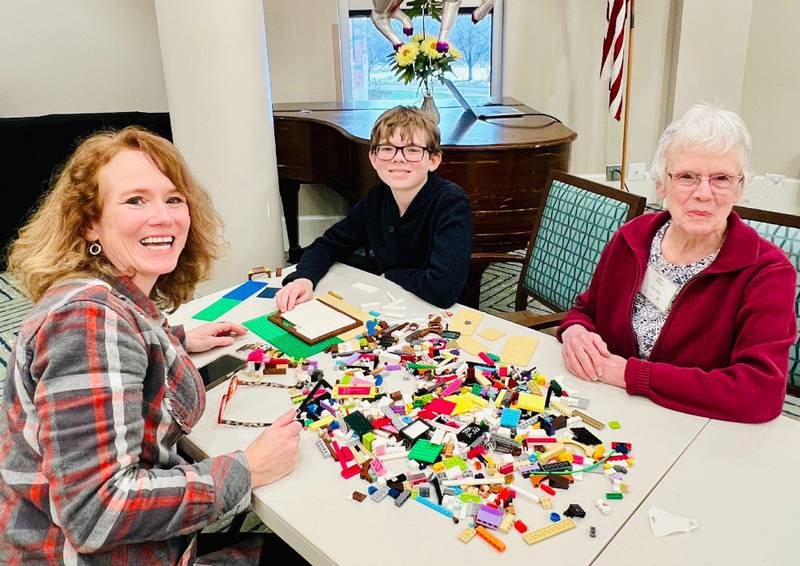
column 623, row 487
column 465, row 321
column 480, row 401
column 528, row 402
column 549, row 531
column 630, row 462
column 438, row 467
column 483, row 380
column 463, row 404
column 599, row 452
column 506, row 523
column 466, row 535
column 558, row 407
column 500, row 396
column 324, row 421
column 491, row 334
column 554, row 450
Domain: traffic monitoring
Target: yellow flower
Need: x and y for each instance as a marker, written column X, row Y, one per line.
column 454, row 52
column 428, row 47
column 406, row 54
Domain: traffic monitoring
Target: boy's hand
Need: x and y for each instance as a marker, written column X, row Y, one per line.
column 296, row 292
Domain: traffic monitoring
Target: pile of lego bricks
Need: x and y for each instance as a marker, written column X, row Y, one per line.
column 467, row 432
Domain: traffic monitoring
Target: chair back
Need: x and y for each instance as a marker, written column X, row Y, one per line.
column 575, row 221
column 783, row 230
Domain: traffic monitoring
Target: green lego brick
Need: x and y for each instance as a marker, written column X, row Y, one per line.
column 476, row 389
column 216, row 309
column 614, row 424
column 368, row 439
column 425, row 451
column 454, row 461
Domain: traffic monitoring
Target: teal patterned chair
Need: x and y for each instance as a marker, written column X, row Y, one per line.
column 573, row 225
column 782, row 230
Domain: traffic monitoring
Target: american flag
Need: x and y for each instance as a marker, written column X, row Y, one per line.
column 616, row 14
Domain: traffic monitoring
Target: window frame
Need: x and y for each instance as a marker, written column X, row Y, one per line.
column 345, row 7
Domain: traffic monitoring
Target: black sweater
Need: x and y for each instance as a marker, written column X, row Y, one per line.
column 426, row 251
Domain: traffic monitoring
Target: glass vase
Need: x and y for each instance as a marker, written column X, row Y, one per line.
column 429, row 106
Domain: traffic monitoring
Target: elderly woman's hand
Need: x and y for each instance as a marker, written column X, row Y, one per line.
column 274, row 453
column 213, row 335
column 584, row 353
column 614, row 373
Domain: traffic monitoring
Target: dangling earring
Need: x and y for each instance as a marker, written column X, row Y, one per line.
column 95, row 248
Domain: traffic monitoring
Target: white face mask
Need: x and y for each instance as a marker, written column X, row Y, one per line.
column 663, row 523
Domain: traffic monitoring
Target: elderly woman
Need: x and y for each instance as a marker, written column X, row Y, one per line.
column 691, row 307
column 100, row 389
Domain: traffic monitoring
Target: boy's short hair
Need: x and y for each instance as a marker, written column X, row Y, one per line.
column 406, row 120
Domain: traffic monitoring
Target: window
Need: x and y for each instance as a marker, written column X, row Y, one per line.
column 367, row 71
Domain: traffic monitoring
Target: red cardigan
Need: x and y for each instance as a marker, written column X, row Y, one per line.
column 724, row 349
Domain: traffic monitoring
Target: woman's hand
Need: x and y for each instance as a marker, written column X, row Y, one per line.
column 274, row 453
column 296, row 292
column 614, row 373
column 585, row 353
column 213, row 335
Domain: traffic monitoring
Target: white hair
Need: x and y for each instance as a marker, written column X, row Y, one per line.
column 704, row 126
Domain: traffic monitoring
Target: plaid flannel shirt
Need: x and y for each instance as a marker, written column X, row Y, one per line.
column 99, row 391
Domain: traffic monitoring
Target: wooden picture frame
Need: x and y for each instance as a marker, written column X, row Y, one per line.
column 277, row 318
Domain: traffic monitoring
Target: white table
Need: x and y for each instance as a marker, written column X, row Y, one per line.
column 740, row 482
column 310, row 508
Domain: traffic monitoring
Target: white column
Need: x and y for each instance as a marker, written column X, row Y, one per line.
column 217, row 81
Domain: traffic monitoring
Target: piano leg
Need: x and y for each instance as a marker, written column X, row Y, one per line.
column 289, row 198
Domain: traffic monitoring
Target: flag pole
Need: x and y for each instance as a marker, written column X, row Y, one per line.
column 624, row 166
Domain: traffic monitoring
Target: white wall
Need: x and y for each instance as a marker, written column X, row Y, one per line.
column 712, row 53
column 552, row 63
column 79, row 56
column 300, row 40
column 770, row 103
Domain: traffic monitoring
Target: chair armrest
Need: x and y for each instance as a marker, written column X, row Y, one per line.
column 531, row 320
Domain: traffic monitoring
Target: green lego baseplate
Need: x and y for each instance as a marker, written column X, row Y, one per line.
column 285, row 342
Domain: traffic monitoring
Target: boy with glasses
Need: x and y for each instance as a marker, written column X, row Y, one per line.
column 415, row 227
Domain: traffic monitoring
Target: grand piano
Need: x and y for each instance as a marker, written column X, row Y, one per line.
column 501, row 163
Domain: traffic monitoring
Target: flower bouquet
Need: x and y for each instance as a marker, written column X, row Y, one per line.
column 419, row 60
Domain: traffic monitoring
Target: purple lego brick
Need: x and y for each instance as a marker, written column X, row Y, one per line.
column 489, row 517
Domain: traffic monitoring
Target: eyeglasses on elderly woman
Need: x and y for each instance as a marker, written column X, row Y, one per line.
column 720, row 182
